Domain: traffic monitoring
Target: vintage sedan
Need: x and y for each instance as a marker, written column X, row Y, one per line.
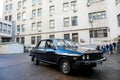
column 66, row 54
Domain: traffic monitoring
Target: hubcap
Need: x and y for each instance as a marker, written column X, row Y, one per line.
column 66, row 67
column 35, row 59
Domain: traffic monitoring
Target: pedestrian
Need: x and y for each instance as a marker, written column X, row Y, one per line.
column 110, row 48
column 107, row 47
column 114, row 45
column 118, row 46
column 98, row 47
column 103, row 48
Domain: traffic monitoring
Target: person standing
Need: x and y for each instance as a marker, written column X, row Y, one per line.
column 118, row 46
column 110, row 48
column 114, row 45
column 107, row 47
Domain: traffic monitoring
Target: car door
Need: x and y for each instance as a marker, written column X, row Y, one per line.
column 50, row 52
column 40, row 50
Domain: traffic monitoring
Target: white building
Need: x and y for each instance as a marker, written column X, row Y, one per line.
column 5, row 31
column 77, row 20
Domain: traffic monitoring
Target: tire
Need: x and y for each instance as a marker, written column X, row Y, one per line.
column 32, row 59
column 65, row 66
column 35, row 60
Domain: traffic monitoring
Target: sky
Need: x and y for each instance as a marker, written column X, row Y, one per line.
column 1, row 8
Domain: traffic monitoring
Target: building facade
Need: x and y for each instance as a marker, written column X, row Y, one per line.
column 82, row 21
column 5, row 31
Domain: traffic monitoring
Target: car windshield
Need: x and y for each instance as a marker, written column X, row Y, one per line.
column 66, row 43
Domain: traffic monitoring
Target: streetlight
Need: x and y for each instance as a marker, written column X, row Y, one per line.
column 92, row 38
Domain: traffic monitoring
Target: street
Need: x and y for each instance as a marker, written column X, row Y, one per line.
column 20, row 67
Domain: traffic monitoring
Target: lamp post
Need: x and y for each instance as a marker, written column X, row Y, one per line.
column 92, row 38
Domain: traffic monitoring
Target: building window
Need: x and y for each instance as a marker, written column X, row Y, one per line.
column 38, row 39
column 10, row 17
column 38, row 25
column 6, row 17
column 23, row 15
column 40, row 1
column 97, row 15
column 23, row 28
column 34, row 13
column 92, row 1
column 39, row 11
column 66, row 22
column 34, row 26
column 65, row 6
column 4, row 28
column 34, row 2
column 118, row 17
column 7, row 7
column 51, row 8
column 19, row 5
column 74, row 6
column 33, row 40
column 18, row 28
column 11, row 6
column 117, row 2
column 0, row 27
column 22, row 40
column 24, row 3
column 9, row 29
column 75, row 37
column 18, row 40
column 50, row 0
column 67, row 36
column 98, row 33
column 52, row 36
column 74, row 21
column 19, row 16
column 52, row 23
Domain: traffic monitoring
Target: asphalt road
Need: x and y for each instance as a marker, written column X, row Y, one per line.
column 20, row 67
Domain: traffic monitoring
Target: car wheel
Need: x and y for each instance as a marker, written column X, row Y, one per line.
column 35, row 60
column 65, row 66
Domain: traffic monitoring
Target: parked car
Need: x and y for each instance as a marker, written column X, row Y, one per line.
column 66, row 55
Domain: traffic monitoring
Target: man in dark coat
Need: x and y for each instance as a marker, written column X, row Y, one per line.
column 114, row 45
column 118, row 46
column 110, row 49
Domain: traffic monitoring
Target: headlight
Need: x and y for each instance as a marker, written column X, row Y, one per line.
column 83, row 57
column 88, row 57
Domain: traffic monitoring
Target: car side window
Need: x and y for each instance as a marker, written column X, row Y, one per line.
column 42, row 44
column 49, row 44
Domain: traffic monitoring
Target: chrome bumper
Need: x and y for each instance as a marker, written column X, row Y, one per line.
column 89, row 62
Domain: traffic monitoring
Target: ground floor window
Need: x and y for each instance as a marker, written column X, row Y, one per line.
column 33, row 40
column 75, row 37
column 67, row 36
column 18, row 40
column 22, row 40
column 98, row 33
column 38, row 39
column 52, row 36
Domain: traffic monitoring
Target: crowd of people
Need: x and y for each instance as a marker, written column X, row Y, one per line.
column 111, row 48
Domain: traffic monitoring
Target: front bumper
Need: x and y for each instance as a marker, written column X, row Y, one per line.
column 87, row 64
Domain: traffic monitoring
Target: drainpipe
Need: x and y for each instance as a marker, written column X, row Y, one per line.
column 0, row 40
column 13, row 31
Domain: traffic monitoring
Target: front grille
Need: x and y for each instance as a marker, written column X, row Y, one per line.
column 93, row 56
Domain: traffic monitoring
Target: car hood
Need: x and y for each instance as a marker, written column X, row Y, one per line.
column 84, row 50
column 76, row 51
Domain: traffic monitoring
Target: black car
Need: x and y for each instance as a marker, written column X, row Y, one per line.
column 66, row 54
